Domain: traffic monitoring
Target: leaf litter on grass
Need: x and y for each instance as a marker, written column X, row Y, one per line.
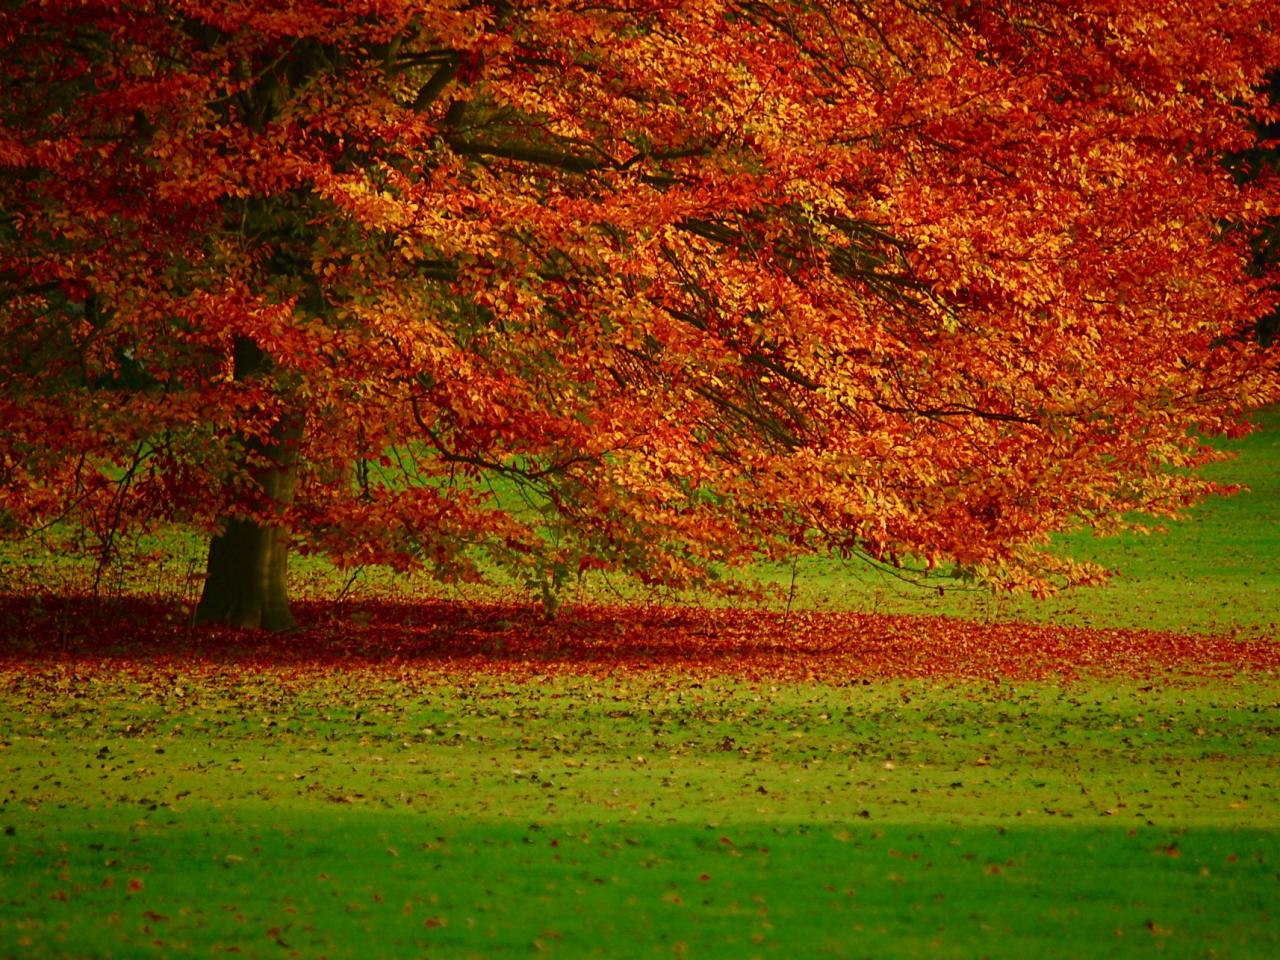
column 469, row 781
column 514, row 640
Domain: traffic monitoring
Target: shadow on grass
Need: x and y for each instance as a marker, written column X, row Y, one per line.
column 514, row 639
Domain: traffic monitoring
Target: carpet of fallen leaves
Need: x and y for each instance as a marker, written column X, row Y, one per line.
column 514, row 641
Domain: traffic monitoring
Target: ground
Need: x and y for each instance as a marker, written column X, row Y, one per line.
column 461, row 780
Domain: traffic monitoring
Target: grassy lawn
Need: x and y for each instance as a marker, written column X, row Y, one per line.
column 635, row 784
column 360, row 814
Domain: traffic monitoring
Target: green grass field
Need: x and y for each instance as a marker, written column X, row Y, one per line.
column 357, row 815
column 199, row 800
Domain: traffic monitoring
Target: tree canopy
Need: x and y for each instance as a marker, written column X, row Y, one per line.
column 702, row 282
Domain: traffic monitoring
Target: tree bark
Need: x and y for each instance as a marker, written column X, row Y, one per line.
column 247, row 578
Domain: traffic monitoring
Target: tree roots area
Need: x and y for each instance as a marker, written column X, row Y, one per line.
column 468, row 781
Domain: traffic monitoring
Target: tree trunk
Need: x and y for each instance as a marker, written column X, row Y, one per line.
column 246, row 584
column 247, row 579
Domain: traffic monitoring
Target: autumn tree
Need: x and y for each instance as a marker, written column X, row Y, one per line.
column 700, row 283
